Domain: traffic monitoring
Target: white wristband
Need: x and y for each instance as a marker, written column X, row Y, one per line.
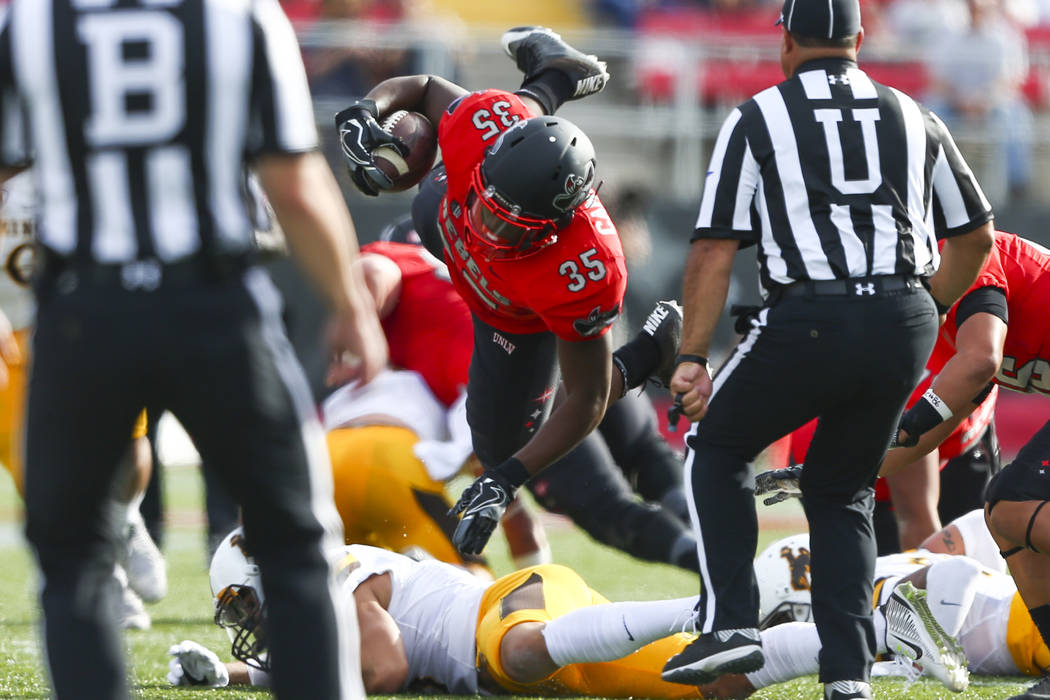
column 938, row 404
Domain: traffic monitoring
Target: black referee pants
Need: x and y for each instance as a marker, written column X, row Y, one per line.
column 851, row 361
column 214, row 354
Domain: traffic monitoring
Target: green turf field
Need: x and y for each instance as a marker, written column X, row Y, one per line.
column 186, row 612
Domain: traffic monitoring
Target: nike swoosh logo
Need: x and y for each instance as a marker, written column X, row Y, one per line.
column 945, row 602
column 629, row 635
column 915, row 647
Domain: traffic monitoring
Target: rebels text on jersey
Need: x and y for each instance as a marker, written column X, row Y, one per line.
column 1021, row 269
column 573, row 288
column 429, row 314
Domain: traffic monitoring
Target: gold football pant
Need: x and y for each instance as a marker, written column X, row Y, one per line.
column 637, row 674
column 12, row 413
column 384, row 494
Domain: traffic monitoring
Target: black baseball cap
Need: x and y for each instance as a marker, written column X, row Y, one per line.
column 821, row 19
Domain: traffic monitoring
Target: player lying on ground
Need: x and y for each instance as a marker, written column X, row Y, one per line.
column 974, row 605
column 538, row 631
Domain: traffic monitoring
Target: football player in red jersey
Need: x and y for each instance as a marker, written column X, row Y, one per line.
column 1001, row 333
column 531, row 250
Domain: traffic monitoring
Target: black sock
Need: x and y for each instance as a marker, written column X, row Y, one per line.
column 1041, row 618
column 637, row 358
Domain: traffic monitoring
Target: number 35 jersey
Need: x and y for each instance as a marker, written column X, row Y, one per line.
column 573, row 288
column 1021, row 269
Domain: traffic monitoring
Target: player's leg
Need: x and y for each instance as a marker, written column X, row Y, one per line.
column 965, row 477
column 385, row 496
column 253, row 419
column 914, row 491
column 875, row 372
column 769, row 386
column 588, row 487
column 513, row 379
column 630, row 431
column 1020, row 523
column 543, row 627
column 83, row 398
column 12, row 413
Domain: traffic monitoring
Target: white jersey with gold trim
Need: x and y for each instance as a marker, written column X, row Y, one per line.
column 983, row 633
column 17, row 231
column 400, row 394
column 435, row 606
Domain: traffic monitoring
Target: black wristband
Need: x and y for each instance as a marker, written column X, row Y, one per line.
column 927, row 413
column 510, row 473
column 551, row 89
column 685, row 357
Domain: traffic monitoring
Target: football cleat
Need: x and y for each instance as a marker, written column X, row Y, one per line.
column 131, row 613
column 914, row 633
column 664, row 326
column 712, row 655
column 536, row 49
column 1039, row 691
column 145, row 565
column 846, row 690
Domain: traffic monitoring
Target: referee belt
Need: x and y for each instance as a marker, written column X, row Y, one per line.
column 853, row 287
column 141, row 275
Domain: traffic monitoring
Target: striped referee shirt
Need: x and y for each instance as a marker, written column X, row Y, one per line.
column 835, row 176
column 140, row 117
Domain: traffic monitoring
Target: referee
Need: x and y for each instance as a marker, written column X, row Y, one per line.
column 843, row 185
column 141, row 117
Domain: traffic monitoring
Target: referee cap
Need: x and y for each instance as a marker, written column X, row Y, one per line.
column 821, row 19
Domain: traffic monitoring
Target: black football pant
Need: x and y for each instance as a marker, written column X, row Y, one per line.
column 510, row 392
column 852, row 361
column 590, row 485
column 214, row 354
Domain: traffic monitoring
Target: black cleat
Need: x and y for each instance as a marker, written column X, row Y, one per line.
column 846, row 690
column 1039, row 691
column 536, row 49
column 711, row 655
column 664, row 326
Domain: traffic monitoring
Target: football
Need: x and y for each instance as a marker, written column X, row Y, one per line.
column 419, row 135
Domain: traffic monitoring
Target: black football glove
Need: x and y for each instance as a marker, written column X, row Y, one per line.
column 782, row 483
column 360, row 135
column 482, row 505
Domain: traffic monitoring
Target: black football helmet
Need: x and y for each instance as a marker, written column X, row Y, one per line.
column 529, row 185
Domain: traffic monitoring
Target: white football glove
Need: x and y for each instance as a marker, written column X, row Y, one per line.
column 194, row 664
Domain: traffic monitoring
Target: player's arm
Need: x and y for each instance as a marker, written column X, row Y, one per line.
column 382, row 276
column 705, row 288
column 384, row 665
column 427, row 94
column 320, row 233
column 961, row 385
column 961, row 260
column 586, row 371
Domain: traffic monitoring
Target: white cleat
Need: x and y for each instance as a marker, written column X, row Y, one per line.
column 145, row 565
column 131, row 612
column 914, row 633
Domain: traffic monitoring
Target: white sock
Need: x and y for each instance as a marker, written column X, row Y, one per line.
column 791, row 650
column 951, row 585
column 613, row 630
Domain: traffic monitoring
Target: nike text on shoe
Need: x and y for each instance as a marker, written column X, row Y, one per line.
column 846, row 690
column 536, row 49
column 711, row 655
column 664, row 326
column 1039, row 691
column 913, row 632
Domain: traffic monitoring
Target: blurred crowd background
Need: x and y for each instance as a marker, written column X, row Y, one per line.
column 678, row 66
